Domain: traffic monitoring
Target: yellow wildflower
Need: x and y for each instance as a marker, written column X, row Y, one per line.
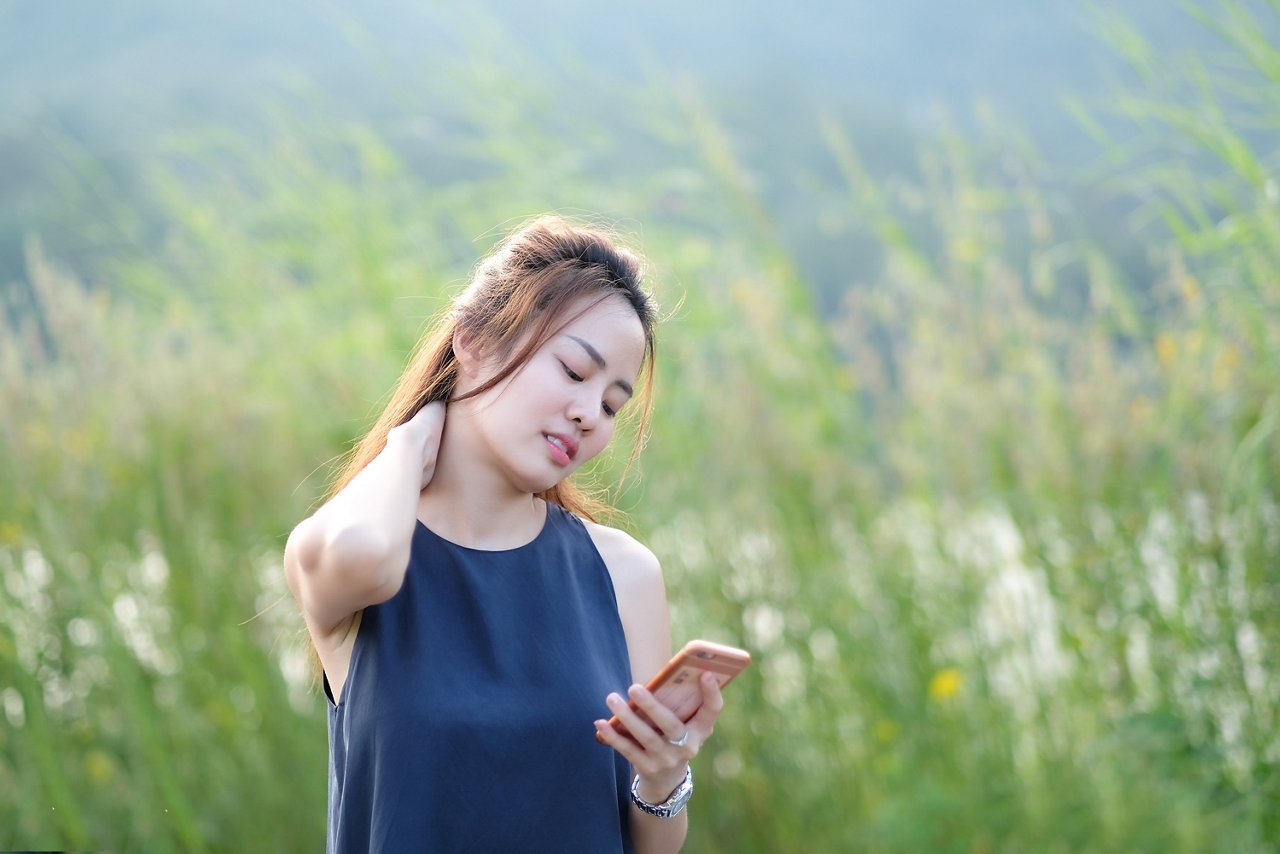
column 946, row 683
column 99, row 766
column 1190, row 290
column 886, row 730
column 1224, row 367
column 1166, row 349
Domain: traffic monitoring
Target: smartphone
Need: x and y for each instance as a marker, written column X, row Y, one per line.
column 676, row 685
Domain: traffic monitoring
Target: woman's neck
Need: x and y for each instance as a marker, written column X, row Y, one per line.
column 469, row 503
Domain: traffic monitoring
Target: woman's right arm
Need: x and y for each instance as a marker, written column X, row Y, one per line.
column 354, row 551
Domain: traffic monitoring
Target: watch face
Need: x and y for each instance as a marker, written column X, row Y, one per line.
column 680, row 796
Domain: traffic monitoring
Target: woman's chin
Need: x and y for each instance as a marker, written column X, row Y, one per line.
column 535, row 484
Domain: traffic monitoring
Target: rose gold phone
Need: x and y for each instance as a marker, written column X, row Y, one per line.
column 676, row 685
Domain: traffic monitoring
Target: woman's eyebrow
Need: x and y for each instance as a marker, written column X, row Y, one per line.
column 599, row 360
column 591, row 351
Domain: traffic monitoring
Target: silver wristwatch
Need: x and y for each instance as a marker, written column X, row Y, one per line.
column 671, row 807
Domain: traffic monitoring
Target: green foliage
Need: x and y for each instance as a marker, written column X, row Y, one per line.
column 1002, row 534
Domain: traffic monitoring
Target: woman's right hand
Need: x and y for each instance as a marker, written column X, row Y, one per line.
column 422, row 433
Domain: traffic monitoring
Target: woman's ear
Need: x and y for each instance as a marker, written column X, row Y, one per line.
column 470, row 356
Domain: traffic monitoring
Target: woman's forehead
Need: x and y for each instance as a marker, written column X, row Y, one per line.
column 610, row 326
column 613, row 309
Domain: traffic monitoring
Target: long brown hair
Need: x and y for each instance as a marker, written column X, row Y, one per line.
column 520, row 295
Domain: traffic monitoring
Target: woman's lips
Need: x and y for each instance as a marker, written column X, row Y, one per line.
column 563, row 448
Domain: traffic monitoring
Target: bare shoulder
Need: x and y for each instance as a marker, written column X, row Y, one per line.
column 642, row 597
column 628, row 559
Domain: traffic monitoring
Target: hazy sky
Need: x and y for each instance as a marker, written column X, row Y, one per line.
column 898, row 56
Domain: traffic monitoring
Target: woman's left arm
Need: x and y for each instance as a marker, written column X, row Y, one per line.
column 655, row 756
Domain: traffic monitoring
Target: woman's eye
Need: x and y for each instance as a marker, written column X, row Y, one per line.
column 609, row 411
column 570, row 373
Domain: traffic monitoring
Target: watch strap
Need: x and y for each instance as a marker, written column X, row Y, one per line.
column 672, row 806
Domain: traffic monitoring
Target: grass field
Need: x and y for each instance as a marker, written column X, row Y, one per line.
column 1002, row 533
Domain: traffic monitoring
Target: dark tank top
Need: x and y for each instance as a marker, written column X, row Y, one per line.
column 466, row 718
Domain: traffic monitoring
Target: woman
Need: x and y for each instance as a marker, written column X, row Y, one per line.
column 472, row 621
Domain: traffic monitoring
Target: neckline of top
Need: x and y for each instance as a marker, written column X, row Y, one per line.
column 549, row 508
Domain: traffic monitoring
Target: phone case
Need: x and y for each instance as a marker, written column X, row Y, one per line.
column 676, row 685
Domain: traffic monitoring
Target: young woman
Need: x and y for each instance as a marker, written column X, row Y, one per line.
column 474, row 625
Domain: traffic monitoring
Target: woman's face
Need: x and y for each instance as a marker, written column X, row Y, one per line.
column 559, row 409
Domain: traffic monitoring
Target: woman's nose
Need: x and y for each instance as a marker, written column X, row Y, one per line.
column 584, row 410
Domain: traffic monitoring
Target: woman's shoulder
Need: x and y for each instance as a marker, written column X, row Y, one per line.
column 623, row 554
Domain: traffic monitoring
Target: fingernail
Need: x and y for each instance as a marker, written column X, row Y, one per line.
column 613, row 698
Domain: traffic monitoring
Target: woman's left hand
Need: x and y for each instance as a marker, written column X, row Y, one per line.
column 655, row 754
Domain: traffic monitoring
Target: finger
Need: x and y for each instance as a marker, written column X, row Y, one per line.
column 423, row 422
column 631, row 751
column 429, row 417
column 666, row 722
column 425, row 431
column 640, row 729
column 712, row 703
column 425, row 418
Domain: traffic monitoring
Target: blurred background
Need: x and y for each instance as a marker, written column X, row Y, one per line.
column 968, row 421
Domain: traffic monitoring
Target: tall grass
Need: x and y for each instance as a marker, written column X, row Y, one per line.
column 1003, row 535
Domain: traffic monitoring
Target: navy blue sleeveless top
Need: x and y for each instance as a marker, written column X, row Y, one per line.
column 465, row 723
